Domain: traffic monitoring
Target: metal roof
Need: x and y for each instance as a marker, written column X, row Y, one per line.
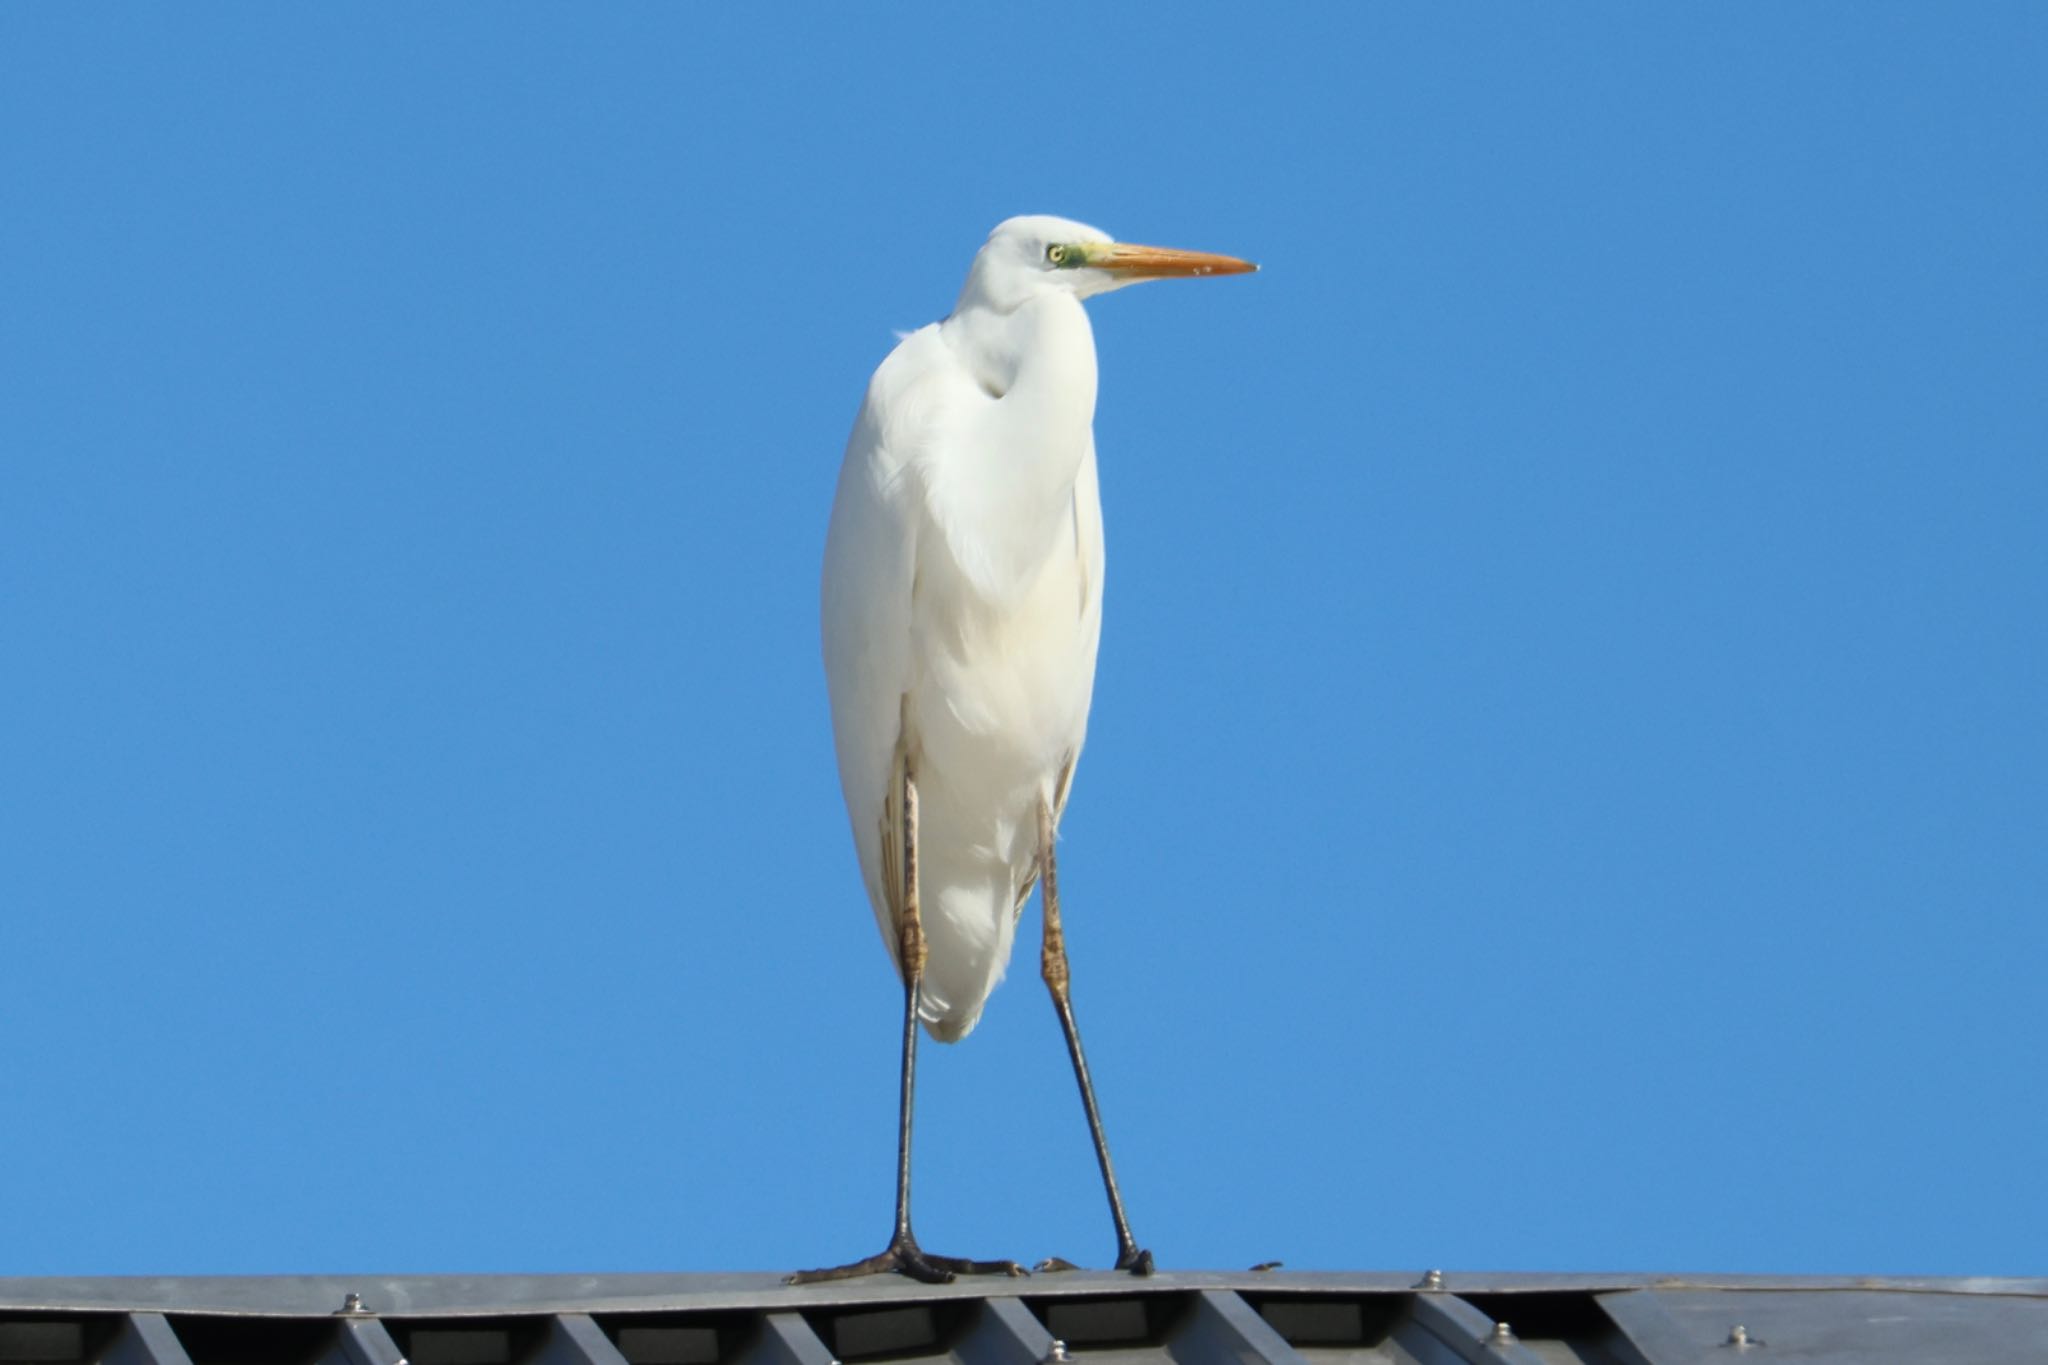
column 1088, row 1318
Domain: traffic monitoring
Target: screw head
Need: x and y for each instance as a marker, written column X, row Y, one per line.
column 1740, row 1339
column 1501, row 1337
column 352, row 1303
column 1431, row 1279
column 1056, row 1352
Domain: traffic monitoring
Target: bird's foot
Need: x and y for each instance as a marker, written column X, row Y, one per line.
column 1130, row 1258
column 905, row 1257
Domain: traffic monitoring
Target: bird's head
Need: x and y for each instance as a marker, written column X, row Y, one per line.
column 1027, row 257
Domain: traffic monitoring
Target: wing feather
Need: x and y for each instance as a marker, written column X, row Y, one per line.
column 870, row 572
column 1088, row 551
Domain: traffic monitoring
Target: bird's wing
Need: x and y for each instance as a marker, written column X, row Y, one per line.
column 871, row 553
column 1087, row 550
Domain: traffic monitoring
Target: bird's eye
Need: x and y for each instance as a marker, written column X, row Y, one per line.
column 1056, row 255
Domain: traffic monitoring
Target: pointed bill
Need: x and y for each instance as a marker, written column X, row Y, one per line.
column 1134, row 262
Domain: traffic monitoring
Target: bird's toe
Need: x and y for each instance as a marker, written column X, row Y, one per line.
column 959, row 1265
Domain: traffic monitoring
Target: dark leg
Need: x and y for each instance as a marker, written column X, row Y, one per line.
column 1053, row 966
column 902, row 1253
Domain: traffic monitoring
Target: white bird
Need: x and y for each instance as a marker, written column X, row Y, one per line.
column 962, row 605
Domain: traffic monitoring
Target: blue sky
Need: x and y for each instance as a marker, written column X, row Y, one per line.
column 1569, row 774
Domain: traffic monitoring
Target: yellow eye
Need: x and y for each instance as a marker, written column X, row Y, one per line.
column 1056, row 255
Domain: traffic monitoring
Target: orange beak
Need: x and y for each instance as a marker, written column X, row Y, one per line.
column 1160, row 262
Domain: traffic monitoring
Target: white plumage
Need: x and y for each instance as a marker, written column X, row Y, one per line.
column 963, row 602
column 963, row 590
column 962, row 608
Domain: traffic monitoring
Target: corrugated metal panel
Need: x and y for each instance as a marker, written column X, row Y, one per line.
column 1080, row 1319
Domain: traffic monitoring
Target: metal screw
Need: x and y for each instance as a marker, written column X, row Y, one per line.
column 1056, row 1352
column 1501, row 1337
column 1431, row 1279
column 352, row 1303
column 1740, row 1338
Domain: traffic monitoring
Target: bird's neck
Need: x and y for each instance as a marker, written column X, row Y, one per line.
column 1007, row 488
column 1045, row 345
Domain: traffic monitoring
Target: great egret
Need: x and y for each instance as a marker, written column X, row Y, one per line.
column 962, row 605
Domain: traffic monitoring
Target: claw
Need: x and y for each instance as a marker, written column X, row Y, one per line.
column 905, row 1258
column 1136, row 1261
column 959, row 1265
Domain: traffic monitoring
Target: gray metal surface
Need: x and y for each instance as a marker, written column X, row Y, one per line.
column 1219, row 1328
column 1083, row 1318
column 144, row 1339
column 1470, row 1334
column 361, row 1341
column 573, row 1339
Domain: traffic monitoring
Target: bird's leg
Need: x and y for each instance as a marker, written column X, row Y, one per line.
column 1052, row 963
column 903, row 1254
